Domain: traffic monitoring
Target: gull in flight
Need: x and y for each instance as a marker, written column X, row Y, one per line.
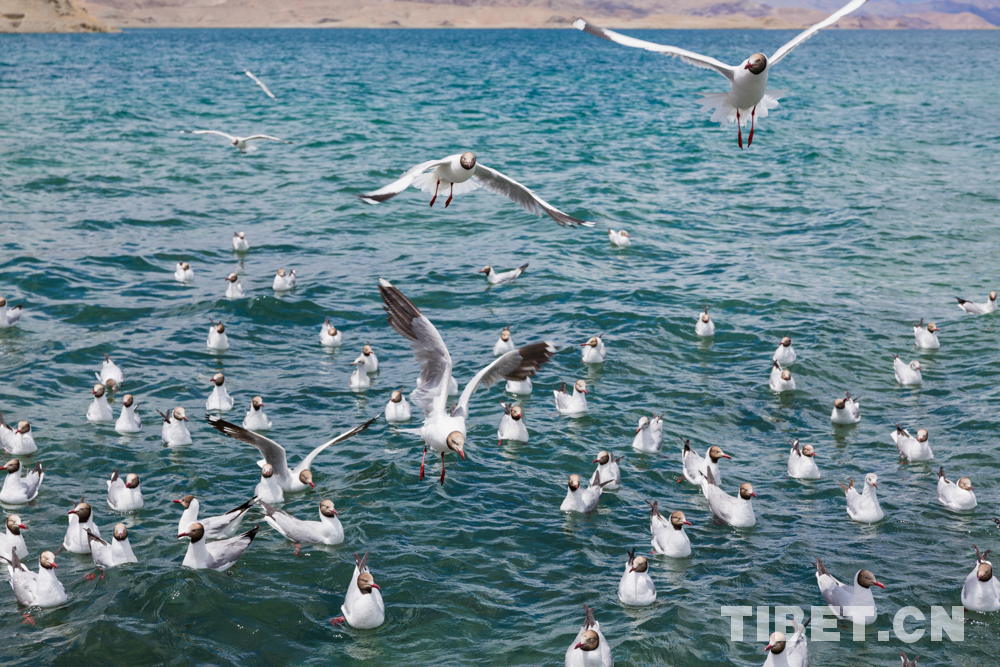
column 259, row 83
column 749, row 78
column 461, row 173
column 239, row 142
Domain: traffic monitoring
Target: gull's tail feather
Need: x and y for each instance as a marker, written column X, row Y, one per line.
column 725, row 112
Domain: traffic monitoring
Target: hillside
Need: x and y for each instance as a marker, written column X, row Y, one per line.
column 47, row 16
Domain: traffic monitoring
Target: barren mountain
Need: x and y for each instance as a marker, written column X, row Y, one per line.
column 47, row 16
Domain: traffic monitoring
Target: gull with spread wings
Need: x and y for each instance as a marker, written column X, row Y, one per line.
column 444, row 431
column 290, row 481
column 239, row 142
column 749, row 94
column 462, row 173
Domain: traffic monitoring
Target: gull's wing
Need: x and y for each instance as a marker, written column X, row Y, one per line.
column 427, row 345
column 14, row 314
column 259, row 83
column 221, row 134
column 517, row 364
column 389, row 191
column 268, row 137
column 230, row 550
column 307, row 461
column 272, row 452
column 33, row 480
column 691, row 58
column 497, row 183
column 809, row 32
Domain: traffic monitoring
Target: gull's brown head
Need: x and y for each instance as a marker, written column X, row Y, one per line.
column 132, row 481
column 326, row 508
column 589, row 641
column 257, row 403
column 121, row 532
column 746, row 491
column 468, row 161
column 574, row 482
column 678, row 520
column 306, row 477
column 456, row 443
column 756, row 63
column 267, row 471
column 218, row 379
column 397, row 396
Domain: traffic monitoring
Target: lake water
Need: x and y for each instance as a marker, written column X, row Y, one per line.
column 868, row 200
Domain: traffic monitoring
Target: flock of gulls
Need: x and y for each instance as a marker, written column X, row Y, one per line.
column 215, row 542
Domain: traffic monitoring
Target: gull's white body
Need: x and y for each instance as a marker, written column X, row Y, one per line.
column 36, row 590
column 260, row 83
column 494, row 278
column 398, row 412
column 328, row 530
column 735, row 511
column 801, row 466
column 519, row 387
column 220, row 555
column 362, row 611
column 512, row 429
column 503, row 346
column 216, row 527
column 109, row 369
column 18, row 490
column 234, row 290
column 216, row 340
column 989, row 306
column 239, row 245
column 778, row 385
column 326, row 339
column 175, row 433
column 864, row 507
column 838, row 596
column 76, row 540
column 183, row 275
column 359, row 378
column 649, row 435
column 284, row 283
column 9, row 316
column 851, row 414
column 696, row 467
column 608, row 471
column 239, row 143
column 981, row 596
column 219, row 400
column 601, row 657
column 954, row 497
column 123, row 499
column 571, row 405
column 796, row 653
column 256, row 419
column 926, row 340
column 370, row 360
column 636, row 589
column 905, row 373
column 16, row 443
column 582, row 500
column 704, row 329
column 785, row 356
column 9, row 541
column 129, row 420
column 910, row 448
column 619, row 238
column 268, row 490
column 595, row 355
column 100, row 410
column 667, row 540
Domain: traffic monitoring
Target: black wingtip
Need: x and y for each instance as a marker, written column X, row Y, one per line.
column 252, row 533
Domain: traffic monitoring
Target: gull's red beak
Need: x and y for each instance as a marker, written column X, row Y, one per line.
column 688, row 523
column 727, row 456
column 314, row 486
column 586, row 392
column 55, row 566
column 184, row 418
column 182, row 535
column 462, row 454
column 753, row 494
column 73, row 511
column 594, row 461
column 767, row 648
column 879, row 584
column 875, row 484
column 631, row 569
column 22, row 526
column 178, row 501
column 374, row 585
column 578, row 646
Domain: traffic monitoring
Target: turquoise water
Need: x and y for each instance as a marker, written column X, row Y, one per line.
column 868, row 200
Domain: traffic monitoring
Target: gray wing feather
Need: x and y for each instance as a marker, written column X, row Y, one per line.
column 495, row 182
column 518, row 364
column 272, row 452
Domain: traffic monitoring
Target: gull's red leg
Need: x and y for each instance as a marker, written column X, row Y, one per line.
column 337, row 621
column 434, row 198
column 752, row 114
column 739, row 130
column 442, row 468
column 451, row 195
column 422, row 461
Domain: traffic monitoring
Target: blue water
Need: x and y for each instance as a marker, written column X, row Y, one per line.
column 868, row 200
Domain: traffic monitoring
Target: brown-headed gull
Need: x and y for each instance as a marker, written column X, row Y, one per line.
column 863, row 507
column 220, row 555
column 100, row 409
column 910, row 448
column 669, row 537
column 183, row 273
column 981, row 591
column 267, row 488
column 217, row 338
column 575, row 404
column 619, row 238
column 110, row 371
column 327, row 530
column 9, row 316
column 36, row 590
column 216, row 527
column 704, row 327
column 494, row 278
column 749, row 96
column 219, row 400
column 359, row 380
column 849, row 603
column 785, row 354
column 445, row 431
column 81, row 520
column 505, row 343
column 398, row 408
column 256, row 419
column 174, row 432
column 738, row 511
column 369, row 357
column 18, row 490
column 240, row 243
column 846, row 411
column 12, row 537
column 118, row 552
column 329, row 335
column 607, row 469
column 960, row 496
column 594, row 351
column 649, row 435
column 906, row 374
column 695, row 466
column 926, row 336
column 579, row 499
column 636, row 588
column 781, row 379
column 802, row 462
column 784, row 652
column 284, row 281
column 990, row 306
column 17, row 441
column 239, row 143
column 260, row 83
column 363, row 607
column 124, row 495
column 590, row 648
column 129, row 420
column 234, row 288
column 512, row 426
column 462, row 173
column 294, row 480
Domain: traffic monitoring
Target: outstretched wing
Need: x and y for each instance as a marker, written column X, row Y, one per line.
column 307, row 461
column 272, row 452
column 809, row 32
column 517, row 364
column 259, row 83
column 691, row 58
column 266, row 137
column 427, row 345
column 389, row 191
column 497, row 183
column 221, row 134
